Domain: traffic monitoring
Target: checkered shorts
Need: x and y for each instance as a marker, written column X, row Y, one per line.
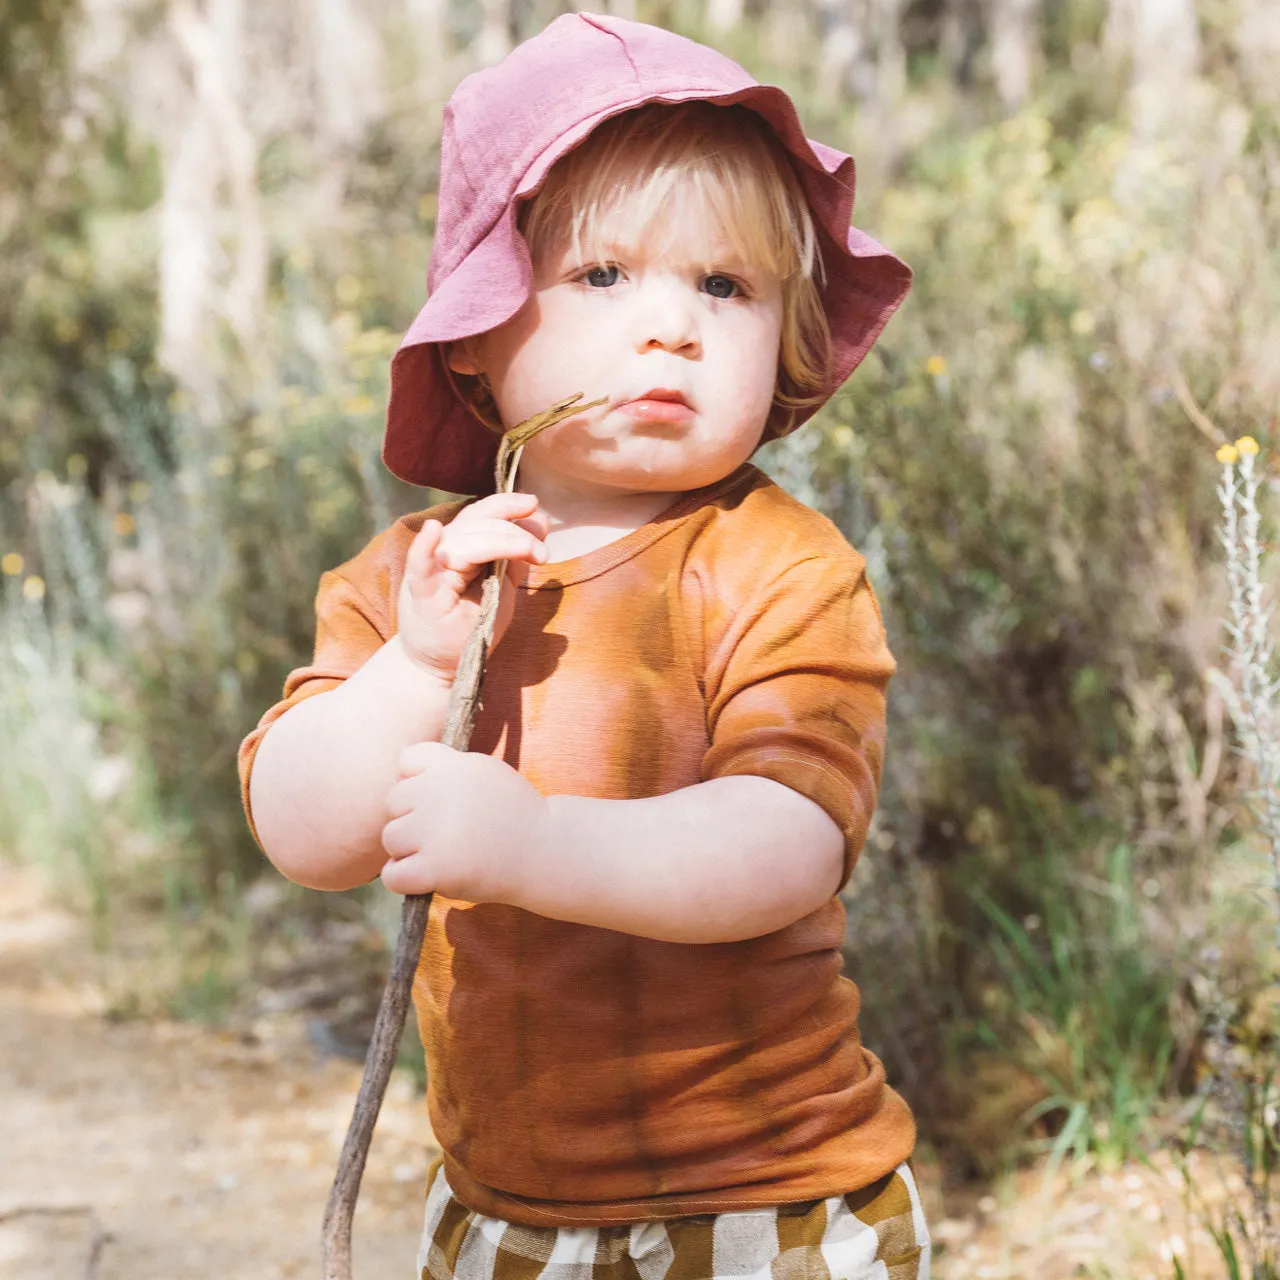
column 877, row 1233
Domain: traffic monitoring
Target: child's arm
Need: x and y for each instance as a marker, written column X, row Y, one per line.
column 722, row 860
column 319, row 780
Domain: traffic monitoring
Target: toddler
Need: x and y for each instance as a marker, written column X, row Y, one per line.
column 641, row 1053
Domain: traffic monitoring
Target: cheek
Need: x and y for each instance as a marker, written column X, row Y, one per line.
column 534, row 352
column 500, row 348
column 749, row 356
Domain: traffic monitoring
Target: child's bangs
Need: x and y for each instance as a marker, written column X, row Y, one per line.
column 704, row 178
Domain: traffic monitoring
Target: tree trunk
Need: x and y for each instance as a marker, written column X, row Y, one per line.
column 1257, row 42
column 1015, row 49
column 494, row 41
column 724, row 15
column 1160, row 40
column 216, row 145
column 347, row 61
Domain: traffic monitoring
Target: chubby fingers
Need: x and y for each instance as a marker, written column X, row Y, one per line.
column 520, row 510
column 401, row 836
column 420, row 757
column 466, row 549
column 408, row 875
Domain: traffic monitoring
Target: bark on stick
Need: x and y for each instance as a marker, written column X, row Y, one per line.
column 464, row 699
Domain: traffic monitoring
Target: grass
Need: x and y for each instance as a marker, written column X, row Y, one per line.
column 1088, row 1006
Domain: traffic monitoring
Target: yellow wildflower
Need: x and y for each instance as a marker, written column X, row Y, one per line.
column 12, row 564
column 33, row 588
column 1228, row 456
column 936, row 366
column 1247, row 445
column 123, row 523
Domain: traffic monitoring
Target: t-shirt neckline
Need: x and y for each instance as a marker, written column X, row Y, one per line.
column 564, row 573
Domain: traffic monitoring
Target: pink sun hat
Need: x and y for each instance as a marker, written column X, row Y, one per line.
column 504, row 128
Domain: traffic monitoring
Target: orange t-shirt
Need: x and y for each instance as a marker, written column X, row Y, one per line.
column 579, row 1075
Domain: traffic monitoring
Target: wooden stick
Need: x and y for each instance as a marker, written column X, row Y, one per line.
column 464, row 700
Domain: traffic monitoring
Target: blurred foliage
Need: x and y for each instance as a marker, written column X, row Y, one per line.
column 1015, row 457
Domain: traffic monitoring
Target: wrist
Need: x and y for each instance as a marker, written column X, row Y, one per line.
column 430, row 676
column 539, row 853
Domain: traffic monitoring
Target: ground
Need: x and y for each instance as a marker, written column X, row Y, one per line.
column 203, row 1153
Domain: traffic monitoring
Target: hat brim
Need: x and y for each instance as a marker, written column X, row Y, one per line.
column 435, row 440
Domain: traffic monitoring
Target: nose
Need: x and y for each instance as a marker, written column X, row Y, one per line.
column 667, row 318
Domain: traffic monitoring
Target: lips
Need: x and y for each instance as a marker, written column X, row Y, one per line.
column 660, row 405
column 666, row 394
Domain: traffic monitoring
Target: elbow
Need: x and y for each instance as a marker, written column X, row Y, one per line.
column 314, row 864
column 305, row 871
column 329, row 860
column 305, row 858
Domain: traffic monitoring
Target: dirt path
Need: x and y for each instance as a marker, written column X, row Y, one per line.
column 207, row 1154
column 202, row 1154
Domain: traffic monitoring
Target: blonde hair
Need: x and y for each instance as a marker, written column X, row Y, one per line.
column 655, row 166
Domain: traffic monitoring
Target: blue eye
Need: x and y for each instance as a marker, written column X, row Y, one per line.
column 721, row 286
column 601, row 277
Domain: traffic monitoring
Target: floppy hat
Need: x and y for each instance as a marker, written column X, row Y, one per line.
column 504, row 128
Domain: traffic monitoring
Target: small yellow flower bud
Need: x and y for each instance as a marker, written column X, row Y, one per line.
column 1228, row 456
column 33, row 588
column 936, row 366
column 1247, row 444
column 123, row 524
column 12, row 564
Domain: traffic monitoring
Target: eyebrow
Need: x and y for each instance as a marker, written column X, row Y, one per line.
column 728, row 260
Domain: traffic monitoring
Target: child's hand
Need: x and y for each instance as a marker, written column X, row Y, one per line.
column 439, row 600
column 462, row 823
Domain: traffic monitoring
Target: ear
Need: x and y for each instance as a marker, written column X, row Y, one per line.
column 461, row 357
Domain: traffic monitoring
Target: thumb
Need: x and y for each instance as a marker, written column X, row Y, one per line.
column 418, row 563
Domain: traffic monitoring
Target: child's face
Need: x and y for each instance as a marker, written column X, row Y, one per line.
column 680, row 317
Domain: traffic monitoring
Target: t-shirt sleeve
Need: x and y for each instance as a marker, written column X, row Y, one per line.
column 350, row 629
column 796, row 691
